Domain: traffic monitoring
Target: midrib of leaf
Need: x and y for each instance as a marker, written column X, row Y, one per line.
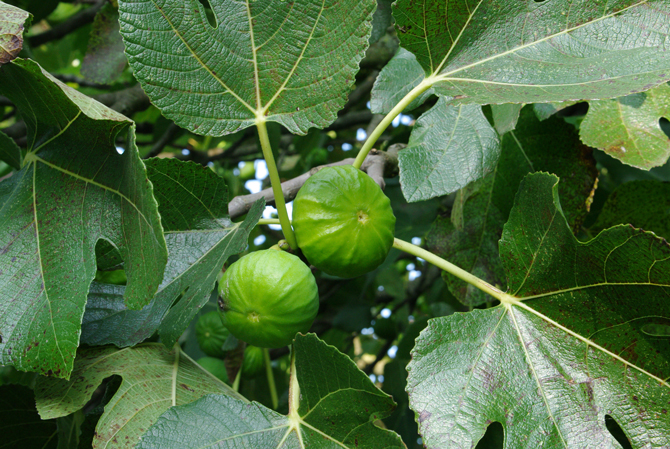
column 253, row 53
column 510, row 311
column 509, row 301
column 445, row 76
column 523, row 152
column 39, row 257
column 260, row 111
column 458, row 38
column 35, row 158
column 295, row 66
column 205, row 254
column 478, row 358
column 532, row 262
column 203, row 65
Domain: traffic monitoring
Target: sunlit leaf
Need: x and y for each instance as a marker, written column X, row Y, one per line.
column 74, row 189
column 628, row 129
column 292, row 62
column 154, row 379
column 497, row 51
column 564, row 350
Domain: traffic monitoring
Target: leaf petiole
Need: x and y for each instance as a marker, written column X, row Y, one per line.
column 276, row 183
column 372, row 138
column 452, row 269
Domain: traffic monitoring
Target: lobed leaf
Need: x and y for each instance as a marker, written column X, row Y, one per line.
column 154, row 379
column 571, row 334
column 74, row 189
column 332, row 404
column 628, row 129
column 496, row 51
column 291, row 62
column 200, row 237
column 469, row 238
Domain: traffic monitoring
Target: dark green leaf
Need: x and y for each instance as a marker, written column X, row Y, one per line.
column 644, row 204
column 628, row 129
column 69, row 430
column 497, row 51
column 450, row 147
column 470, row 238
column 154, row 379
column 563, row 350
column 105, row 59
column 332, row 404
column 10, row 152
column 20, row 425
column 288, row 62
column 11, row 31
column 193, row 203
column 74, row 189
column 40, row 9
column 381, row 20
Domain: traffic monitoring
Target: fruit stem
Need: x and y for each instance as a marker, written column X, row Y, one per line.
column 372, row 138
column 276, row 183
column 450, row 268
column 271, row 378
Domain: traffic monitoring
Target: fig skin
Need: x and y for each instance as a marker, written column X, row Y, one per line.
column 211, row 334
column 268, row 296
column 343, row 222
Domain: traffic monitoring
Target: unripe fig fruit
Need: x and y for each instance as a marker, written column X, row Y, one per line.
column 211, row 334
column 253, row 362
column 216, row 367
column 343, row 222
column 267, row 297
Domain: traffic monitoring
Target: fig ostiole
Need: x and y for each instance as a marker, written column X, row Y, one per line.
column 268, row 296
column 343, row 222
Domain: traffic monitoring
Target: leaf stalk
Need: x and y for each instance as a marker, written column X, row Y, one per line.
column 452, row 269
column 374, row 136
column 276, row 183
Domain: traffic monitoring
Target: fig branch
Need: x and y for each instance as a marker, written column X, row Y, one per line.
column 378, row 165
